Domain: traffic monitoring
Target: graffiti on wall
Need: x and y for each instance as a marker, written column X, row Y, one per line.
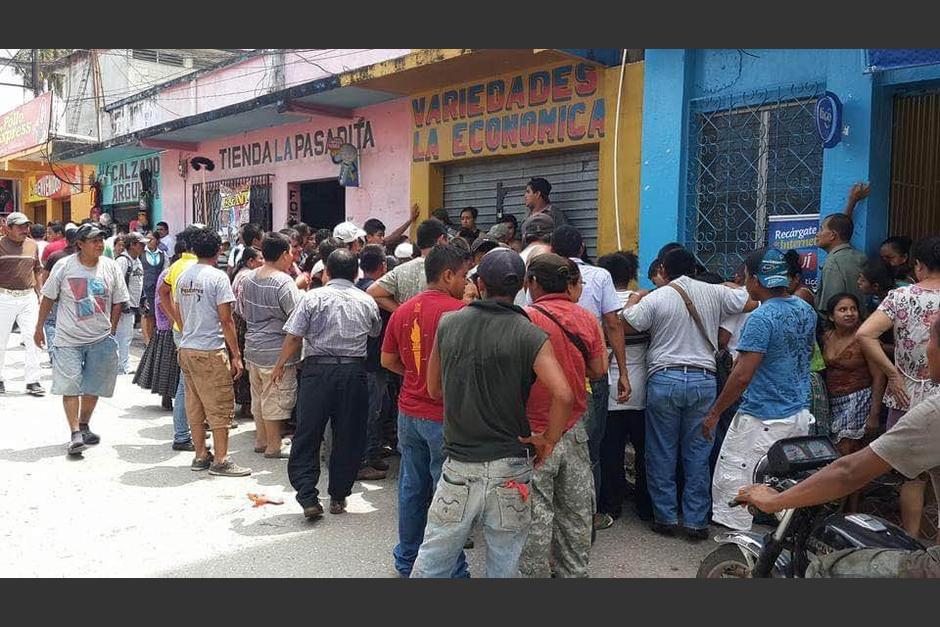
column 511, row 113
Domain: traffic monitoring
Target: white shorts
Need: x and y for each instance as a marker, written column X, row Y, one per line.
column 747, row 440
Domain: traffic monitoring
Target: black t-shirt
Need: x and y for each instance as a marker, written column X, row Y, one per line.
column 487, row 353
column 373, row 361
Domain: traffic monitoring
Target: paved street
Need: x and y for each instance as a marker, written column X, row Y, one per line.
column 132, row 507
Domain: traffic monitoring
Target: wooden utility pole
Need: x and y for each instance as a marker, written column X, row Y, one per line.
column 37, row 84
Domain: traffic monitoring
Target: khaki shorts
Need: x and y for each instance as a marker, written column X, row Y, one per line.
column 210, row 393
column 270, row 401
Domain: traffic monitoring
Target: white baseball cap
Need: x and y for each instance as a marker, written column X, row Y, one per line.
column 348, row 232
column 317, row 268
column 16, row 218
column 404, row 251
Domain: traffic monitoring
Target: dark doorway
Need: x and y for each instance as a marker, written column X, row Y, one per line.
column 322, row 204
column 915, row 166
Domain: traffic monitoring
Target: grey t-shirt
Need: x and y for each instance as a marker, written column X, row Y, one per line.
column 674, row 338
column 406, row 280
column 133, row 271
column 266, row 304
column 199, row 292
column 912, row 446
column 85, row 297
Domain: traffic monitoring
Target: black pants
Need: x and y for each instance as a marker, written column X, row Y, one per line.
column 338, row 394
column 623, row 426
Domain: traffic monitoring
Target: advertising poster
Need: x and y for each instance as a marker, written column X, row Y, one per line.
column 235, row 209
column 798, row 233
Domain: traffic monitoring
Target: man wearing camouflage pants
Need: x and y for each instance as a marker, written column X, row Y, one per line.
column 562, row 489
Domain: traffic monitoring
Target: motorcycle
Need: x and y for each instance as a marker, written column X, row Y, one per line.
column 802, row 532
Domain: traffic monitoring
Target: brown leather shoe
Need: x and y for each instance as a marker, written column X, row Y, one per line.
column 312, row 512
column 337, row 507
column 368, row 473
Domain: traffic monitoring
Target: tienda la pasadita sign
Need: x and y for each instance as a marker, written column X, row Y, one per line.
column 26, row 126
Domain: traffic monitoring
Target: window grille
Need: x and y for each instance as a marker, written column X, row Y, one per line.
column 206, row 208
column 751, row 156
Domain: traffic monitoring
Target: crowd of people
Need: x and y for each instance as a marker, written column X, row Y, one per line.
column 518, row 380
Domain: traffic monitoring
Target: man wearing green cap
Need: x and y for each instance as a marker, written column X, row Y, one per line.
column 772, row 373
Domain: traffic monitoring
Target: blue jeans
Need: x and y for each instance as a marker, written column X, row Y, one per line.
column 124, row 335
column 377, row 382
column 471, row 491
column 49, row 329
column 421, row 443
column 596, row 425
column 85, row 370
column 181, row 432
column 676, row 403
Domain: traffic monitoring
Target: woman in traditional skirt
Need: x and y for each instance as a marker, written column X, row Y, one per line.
column 159, row 370
column 855, row 386
column 249, row 261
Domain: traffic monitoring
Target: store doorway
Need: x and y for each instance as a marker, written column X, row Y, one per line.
column 37, row 212
column 915, row 166
column 322, row 204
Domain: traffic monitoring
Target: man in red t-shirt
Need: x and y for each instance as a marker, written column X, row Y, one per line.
column 562, row 489
column 409, row 338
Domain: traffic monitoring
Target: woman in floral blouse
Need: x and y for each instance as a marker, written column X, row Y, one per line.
column 909, row 311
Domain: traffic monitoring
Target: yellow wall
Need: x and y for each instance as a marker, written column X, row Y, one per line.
column 628, row 163
column 427, row 172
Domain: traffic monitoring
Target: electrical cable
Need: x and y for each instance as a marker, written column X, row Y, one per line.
column 623, row 68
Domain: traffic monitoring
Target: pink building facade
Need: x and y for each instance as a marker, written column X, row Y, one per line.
column 302, row 175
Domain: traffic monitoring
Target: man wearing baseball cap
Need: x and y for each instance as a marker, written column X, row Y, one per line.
column 132, row 270
column 772, row 373
column 483, row 363
column 91, row 292
column 20, row 282
column 351, row 235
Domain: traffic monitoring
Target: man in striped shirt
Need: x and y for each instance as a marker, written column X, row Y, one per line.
column 267, row 298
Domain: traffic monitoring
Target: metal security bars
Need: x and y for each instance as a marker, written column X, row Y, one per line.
column 208, row 212
column 751, row 156
column 915, row 166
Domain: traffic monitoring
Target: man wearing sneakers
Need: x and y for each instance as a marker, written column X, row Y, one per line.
column 20, row 281
column 90, row 292
column 204, row 299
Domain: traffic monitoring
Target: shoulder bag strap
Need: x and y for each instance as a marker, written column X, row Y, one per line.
column 694, row 313
column 572, row 337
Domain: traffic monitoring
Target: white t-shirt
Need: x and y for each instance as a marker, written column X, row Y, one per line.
column 636, row 369
column 199, row 292
column 85, row 297
column 733, row 325
column 674, row 338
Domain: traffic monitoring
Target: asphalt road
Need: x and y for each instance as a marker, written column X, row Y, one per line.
column 131, row 507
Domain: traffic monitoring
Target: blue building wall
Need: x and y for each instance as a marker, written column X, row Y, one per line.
column 673, row 78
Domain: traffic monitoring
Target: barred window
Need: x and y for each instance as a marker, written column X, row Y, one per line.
column 748, row 162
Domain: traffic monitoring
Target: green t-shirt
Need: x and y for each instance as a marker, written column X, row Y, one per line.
column 487, row 354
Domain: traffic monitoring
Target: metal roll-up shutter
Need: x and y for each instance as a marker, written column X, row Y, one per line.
column 480, row 184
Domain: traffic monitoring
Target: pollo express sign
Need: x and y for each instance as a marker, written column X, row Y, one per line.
column 26, row 126
column 510, row 114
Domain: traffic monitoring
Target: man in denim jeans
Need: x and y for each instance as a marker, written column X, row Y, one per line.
column 681, row 387
column 406, row 349
column 483, row 363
